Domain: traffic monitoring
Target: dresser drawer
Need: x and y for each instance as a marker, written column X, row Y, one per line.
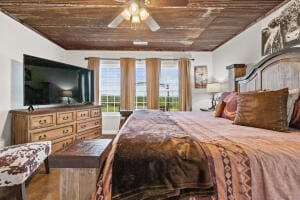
column 41, row 121
column 96, row 112
column 53, row 134
column 88, row 125
column 62, row 143
column 65, row 117
column 89, row 134
column 82, row 114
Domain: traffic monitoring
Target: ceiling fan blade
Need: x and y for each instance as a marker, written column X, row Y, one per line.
column 153, row 25
column 117, row 21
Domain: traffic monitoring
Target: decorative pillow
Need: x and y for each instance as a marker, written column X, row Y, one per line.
column 230, row 108
column 295, row 119
column 292, row 98
column 266, row 110
column 222, row 97
column 220, row 108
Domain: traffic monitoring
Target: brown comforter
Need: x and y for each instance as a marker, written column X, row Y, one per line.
column 176, row 155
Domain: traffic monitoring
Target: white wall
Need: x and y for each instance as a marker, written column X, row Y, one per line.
column 200, row 97
column 16, row 40
column 245, row 48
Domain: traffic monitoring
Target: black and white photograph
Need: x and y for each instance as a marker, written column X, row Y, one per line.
column 282, row 31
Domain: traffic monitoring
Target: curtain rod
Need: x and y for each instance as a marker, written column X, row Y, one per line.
column 166, row 59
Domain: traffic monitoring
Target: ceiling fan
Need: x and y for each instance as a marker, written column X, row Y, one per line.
column 136, row 13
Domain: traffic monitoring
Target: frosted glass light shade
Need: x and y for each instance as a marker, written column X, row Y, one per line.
column 213, row 87
column 135, row 19
column 126, row 14
column 144, row 14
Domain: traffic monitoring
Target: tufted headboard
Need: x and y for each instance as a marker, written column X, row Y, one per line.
column 276, row 71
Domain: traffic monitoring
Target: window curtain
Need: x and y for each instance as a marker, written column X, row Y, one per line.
column 127, row 83
column 153, row 74
column 185, row 90
column 94, row 64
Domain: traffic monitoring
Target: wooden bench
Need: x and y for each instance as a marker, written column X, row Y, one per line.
column 80, row 166
column 19, row 162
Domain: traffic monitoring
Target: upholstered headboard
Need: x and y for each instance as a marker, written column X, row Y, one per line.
column 276, row 71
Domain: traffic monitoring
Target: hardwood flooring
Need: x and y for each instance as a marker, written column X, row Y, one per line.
column 41, row 186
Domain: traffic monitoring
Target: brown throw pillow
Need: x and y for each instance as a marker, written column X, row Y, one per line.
column 266, row 110
column 230, row 108
column 219, row 109
column 295, row 121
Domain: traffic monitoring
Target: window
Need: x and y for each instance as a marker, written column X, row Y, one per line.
column 169, row 86
column 141, row 85
column 110, row 83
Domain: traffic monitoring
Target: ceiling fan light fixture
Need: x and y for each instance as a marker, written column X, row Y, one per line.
column 135, row 19
column 144, row 14
column 134, row 8
column 126, row 14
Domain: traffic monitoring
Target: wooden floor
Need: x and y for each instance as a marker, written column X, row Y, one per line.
column 40, row 187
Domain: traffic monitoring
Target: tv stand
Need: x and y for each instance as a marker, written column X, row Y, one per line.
column 30, row 108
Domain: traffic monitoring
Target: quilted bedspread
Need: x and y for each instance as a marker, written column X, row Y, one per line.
column 18, row 162
column 242, row 163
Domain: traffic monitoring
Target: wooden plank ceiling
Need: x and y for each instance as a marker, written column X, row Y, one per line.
column 186, row 25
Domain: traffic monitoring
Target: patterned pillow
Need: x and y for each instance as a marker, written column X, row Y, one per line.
column 220, row 108
column 266, row 110
column 222, row 97
column 293, row 96
column 230, row 108
column 295, row 119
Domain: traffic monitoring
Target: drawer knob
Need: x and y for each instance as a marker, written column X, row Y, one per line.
column 82, row 115
column 43, row 121
column 83, row 126
column 66, row 118
column 65, row 131
column 42, row 137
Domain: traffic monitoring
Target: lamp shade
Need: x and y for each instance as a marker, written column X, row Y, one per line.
column 67, row 93
column 213, row 87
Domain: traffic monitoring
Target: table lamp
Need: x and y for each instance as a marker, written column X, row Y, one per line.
column 68, row 94
column 213, row 88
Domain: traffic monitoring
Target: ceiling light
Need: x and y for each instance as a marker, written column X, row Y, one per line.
column 126, row 14
column 140, row 43
column 135, row 19
column 144, row 14
column 134, row 8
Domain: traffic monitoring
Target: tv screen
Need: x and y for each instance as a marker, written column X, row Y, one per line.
column 48, row 82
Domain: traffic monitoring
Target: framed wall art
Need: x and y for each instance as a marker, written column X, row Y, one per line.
column 200, row 76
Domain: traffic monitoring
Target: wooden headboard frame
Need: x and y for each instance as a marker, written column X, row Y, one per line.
column 276, row 71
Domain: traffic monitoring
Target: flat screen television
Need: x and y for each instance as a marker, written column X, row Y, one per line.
column 48, row 82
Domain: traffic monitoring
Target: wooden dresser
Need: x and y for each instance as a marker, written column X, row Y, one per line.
column 61, row 125
column 235, row 71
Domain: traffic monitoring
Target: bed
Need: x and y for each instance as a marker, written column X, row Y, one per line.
column 193, row 155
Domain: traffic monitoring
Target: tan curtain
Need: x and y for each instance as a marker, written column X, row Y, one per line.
column 127, row 83
column 185, row 90
column 153, row 74
column 94, row 64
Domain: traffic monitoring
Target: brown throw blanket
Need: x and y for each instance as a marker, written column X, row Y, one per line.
column 155, row 159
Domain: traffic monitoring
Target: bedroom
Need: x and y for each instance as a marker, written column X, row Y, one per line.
column 208, row 35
